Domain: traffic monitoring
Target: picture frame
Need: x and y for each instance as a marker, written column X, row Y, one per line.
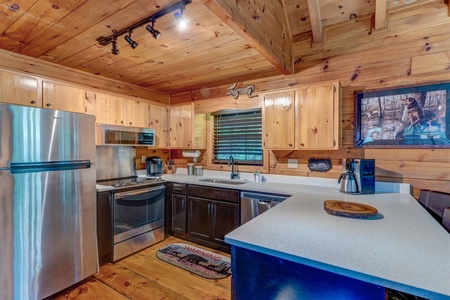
column 411, row 117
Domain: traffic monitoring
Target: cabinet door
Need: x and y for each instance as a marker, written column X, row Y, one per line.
column 199, row 218
column 180, row 126
column 19, row 89
column 63, row 97
column 225, row 218
column 179, row 212
column 110, row 109
column 137, row 113
column 278, row 120
column 317, row 119
column 158, row 121
column 104, row 227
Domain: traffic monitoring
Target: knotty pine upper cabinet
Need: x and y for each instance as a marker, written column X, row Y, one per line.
column 110, row 109
column 186, row 130
column 278, row 120
column 63, row 97
column 19, row 89
column 303, row 119
column 159, row 122
column 317, row 119
column 137, row 113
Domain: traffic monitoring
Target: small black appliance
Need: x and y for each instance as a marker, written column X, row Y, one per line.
column 154, row 166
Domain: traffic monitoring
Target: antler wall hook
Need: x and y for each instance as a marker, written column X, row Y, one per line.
column 244, row 90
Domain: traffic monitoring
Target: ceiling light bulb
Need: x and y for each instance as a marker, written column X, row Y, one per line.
column 130, row 41
column 156, row 34
column 182, row 24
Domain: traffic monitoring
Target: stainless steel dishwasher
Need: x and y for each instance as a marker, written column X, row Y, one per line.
column 254, row 204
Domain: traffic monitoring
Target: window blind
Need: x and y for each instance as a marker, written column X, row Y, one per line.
column 238, row 134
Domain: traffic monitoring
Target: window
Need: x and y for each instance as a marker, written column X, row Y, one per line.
column 239, row 134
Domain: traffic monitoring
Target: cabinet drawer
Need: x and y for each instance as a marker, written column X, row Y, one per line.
column 213, row 193
column 179, row 188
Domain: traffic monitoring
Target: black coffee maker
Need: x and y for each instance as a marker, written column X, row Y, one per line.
column 153, row 165
column 358, row 176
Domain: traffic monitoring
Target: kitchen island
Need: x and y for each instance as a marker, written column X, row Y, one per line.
column 402, row 248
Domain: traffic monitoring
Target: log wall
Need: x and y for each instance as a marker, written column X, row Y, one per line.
column 414, row 50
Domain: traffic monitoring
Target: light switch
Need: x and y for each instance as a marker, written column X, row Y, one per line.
column 292, row 163
column 143, row 158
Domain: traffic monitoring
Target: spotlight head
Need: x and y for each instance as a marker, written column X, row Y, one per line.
column 115, row 48
column 181, row 21
column 130, row 41
column 155, row 33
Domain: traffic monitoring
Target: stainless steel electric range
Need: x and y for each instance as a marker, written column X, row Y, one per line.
column 136, row 208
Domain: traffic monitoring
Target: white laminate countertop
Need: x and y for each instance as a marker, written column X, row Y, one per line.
column 403, row 248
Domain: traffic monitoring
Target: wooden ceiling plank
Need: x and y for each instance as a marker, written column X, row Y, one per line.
column 204, row 21
column 131, row 71
column 380, row 15
column 316, row 21
column 74, row 23
column 126, row 16
column 10, row 13
column 298, row 17
column 35, row 21
column 256, row 30
column 174, row 51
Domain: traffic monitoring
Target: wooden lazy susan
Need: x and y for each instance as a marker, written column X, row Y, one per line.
column 349, row 209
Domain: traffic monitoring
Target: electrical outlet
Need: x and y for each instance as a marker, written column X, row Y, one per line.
column 292, row 163
column 143, row 158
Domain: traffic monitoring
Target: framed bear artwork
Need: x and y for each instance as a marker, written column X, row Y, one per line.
column 412, row 117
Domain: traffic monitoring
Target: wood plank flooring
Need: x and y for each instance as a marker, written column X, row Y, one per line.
column 144, row 276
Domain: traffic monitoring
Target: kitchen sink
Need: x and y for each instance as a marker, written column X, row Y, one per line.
column 223, row 181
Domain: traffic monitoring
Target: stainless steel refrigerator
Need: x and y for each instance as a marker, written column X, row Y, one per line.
column 47, row 201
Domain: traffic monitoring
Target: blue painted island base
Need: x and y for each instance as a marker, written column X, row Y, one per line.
column 261, row 276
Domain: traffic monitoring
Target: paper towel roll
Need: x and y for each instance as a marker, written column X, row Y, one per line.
column 191, row 153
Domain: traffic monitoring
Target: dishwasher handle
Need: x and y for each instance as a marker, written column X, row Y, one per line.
column 264, row 197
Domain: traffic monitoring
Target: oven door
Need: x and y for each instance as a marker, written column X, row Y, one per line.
column 137, row 212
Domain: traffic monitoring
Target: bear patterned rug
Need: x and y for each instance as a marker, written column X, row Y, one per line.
column 196, row 260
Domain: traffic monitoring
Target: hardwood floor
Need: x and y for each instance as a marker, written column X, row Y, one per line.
column 144, row 276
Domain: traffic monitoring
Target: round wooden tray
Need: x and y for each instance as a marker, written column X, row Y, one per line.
column 349, row 209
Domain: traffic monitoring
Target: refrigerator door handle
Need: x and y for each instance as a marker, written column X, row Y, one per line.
column 17, row 168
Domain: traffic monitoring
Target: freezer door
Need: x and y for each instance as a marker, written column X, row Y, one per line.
column 47, row 235
column 29, row 134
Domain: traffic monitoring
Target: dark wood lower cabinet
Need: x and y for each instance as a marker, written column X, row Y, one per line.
column 202, row 214
column 104, row 227
column 209, row 221
column 179, row 224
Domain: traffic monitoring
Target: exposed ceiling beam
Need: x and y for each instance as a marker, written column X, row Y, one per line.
column 316, row 22
column 380, row 15
column 258, row 22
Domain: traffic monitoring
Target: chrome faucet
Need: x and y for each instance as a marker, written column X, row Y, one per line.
column 234, row 173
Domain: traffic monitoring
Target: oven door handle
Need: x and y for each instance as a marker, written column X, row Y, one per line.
column 123, row 195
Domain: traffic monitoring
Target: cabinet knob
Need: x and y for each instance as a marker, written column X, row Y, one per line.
column 121, row 122
column 131, row 123
column 33, row 101
column 290, row 145
column 48, row 104
column 303, row 145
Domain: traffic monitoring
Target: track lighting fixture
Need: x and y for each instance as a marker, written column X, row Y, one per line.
column 112, row 39
column 180, row 20
column 155, row 33
column 115, row 49
column 130, row 41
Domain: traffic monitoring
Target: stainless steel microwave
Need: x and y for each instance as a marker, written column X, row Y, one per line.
column 124, row 136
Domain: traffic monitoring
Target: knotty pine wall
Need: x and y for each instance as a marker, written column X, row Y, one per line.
column 414, row 50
